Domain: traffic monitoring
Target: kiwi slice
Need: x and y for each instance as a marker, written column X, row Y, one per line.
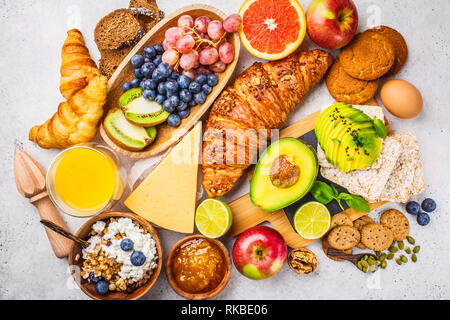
column 129, row 96
column 127, row 135
column 145, row 113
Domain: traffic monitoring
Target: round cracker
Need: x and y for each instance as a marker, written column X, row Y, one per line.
column 344, row 237
column 376, row 237
column 340, row 219
column 358, row 224
column 326, row 245
column 397, row 222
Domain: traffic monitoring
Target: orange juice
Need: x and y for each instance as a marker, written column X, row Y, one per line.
column 85, row 179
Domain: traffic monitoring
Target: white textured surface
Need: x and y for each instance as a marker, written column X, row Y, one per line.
column 32, row 35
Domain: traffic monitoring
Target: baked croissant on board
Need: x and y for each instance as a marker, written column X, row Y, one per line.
column 260, row 99
column 84, row 88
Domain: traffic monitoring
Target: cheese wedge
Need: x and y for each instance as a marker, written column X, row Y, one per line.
column 168, row 196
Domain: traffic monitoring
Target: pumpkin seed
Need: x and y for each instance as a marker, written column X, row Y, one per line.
column 382, row 257
column 399, row 261
column 384, row 264
column 414, row 258
column 393, row 249
column 401, row 245
column 404, row 258
column 408, row 250
column 411, row 240
column 390, row 256
column 364, row 263
column 359, row 265
column 371, row 261
column 416, row 249
column 372, row 268
column 378, row 253
column 365, row 269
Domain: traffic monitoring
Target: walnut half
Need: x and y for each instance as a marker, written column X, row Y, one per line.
column 302, row 261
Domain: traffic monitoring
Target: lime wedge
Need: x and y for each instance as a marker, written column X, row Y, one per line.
column 213, row 218
column 312, row 220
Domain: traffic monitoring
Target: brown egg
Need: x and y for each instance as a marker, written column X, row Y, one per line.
column 401, row 98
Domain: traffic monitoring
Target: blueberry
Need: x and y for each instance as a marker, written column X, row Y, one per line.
column 412, row 207
column 157, row 75
column 182, row 106
column 162, row 88
column 423, row 219
column 135, row 82
column 152, row 84
column 160, row 99
column 150, row 52
column 165, row 69
column 93, row 278
column 185, row 95
column 200, row 98
column 172, row 86
column 184, row 113
column 184, row 82
column 137, row 61
column 102, row 287
column 212, row 80
column 147, row 69
column 206, row 89
column 157, row 61
column 168, row 106
column 195, row 87
column 126, row 86
column 174, row 100
column 145, row 84
column 149, row 94
column 137, row 258
column 138, row 73
column 159, row 48
column 200, row 79
column 174, row 120
column 428, row 205
column 126, row 244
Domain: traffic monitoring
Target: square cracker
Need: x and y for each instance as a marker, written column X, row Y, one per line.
column 368, row 182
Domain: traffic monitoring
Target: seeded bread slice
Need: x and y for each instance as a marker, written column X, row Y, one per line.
column 111, row 59
column 118, row 29
column 146, row 20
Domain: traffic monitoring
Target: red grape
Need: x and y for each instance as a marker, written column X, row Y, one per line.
column 166, row 45
column 173, row 35
column 208, row 56
column 201, row 24
column 189, row 60
column 218, row 67
column 189, row 73
column 170, row 56
column 203, row 70
column 185, row 22
column 185, row 44
column 226, row 52
column 215, row 30
column 232, row 23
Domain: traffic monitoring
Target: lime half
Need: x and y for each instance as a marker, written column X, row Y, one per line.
column 213, row 218
column 312, row 220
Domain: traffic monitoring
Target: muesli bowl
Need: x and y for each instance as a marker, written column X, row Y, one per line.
column 134, row 291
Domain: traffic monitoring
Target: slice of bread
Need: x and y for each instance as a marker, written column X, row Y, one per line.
column 118, row 29
column 111, row 59
column 147, row 21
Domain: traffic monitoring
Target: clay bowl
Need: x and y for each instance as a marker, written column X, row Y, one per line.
column 89, row 288
column 198, row 296
column 167, row 136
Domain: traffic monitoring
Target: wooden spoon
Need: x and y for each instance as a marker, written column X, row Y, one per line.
column 353, row 258
column 30, row 181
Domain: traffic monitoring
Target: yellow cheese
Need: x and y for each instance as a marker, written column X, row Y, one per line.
column 168, row 196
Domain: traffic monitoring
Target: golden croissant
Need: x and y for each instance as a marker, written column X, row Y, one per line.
column 241, row 119
column 84, row 88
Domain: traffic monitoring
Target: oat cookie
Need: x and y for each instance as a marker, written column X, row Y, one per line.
column 368, row 57
column 344, row 237
column 358, row 224
column 340, row 219
column 376, row 237
column 397, row 222
column 345, row 88
column 326, row 245
column 400, row 47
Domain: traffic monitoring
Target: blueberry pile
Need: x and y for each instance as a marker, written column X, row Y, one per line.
column 423, row 218
column 159, row 82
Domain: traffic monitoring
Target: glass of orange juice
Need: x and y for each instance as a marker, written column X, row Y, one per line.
column 85, row 180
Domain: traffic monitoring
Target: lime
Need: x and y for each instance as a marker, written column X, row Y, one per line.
column 213, row 218
column 312, row 220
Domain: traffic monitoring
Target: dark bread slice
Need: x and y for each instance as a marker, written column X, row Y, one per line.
column 111, row 59
column 118, row 29
column 147, row 21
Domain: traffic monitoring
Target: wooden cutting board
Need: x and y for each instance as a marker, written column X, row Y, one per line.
column 247, row 215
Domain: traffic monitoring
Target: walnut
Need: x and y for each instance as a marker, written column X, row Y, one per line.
column 302, row 261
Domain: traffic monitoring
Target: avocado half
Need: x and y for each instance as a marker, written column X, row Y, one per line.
column 284, row 174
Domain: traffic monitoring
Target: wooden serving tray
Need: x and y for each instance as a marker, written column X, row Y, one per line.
column 167, row 136
column 246, row 215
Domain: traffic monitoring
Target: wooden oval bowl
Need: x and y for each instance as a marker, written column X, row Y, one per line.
column 198, row 296
column 89, row 288
column 167, row 136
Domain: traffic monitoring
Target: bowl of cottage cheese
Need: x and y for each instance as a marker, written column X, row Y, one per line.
column 123, row 259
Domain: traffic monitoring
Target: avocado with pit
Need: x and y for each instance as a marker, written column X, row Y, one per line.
column 284, row 174
column 348, row 144
column 140, row 111
column 127, row 135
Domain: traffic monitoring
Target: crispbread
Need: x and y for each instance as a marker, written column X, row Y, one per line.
column 368, row 183
column 419, row 180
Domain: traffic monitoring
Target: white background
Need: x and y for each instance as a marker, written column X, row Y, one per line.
column 32, row 33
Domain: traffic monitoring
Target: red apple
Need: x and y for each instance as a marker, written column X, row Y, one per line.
column 332, row 24
column 259, row 253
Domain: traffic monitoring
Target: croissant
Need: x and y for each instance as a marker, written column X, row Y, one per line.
column 84, row 88
column 241, row 119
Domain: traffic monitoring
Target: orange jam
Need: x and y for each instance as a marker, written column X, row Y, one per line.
column 198, row 266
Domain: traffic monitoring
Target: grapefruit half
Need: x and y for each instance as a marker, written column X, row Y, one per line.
column 272, row 29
